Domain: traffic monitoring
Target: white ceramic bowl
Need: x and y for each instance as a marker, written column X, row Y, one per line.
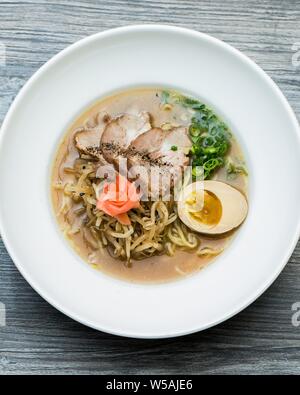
column 137, row 56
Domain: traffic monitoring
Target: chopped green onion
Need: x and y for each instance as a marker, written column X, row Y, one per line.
column 233, row 169
column 165, row 97
column 209, row 135
column 198, row 172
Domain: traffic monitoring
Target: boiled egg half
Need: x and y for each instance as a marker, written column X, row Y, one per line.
column 212, row 207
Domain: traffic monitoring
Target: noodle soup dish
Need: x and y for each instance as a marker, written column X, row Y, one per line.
column 149, row 185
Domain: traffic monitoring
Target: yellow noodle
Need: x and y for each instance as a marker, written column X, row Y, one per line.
column 209, row 251
column 155, row 227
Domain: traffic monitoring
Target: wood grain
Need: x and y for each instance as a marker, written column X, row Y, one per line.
column 38, row 339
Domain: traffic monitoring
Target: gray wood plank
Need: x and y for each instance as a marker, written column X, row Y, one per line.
column 38, row 339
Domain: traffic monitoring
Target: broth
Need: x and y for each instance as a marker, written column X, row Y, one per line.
column 157, row 268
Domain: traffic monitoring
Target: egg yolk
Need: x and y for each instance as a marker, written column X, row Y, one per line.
column 211, row 212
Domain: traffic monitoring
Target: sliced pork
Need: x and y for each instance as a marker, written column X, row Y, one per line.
column 155, row 157
column 120, row 132
column 159, row 155
column 87, row 140
column 170, row 146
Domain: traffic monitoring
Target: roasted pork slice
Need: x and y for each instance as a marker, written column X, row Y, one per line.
column 120, row 132
column 160, row 156
column 155, row 179
column 148, row 142
column 174, row 148
column 170, row 147
column 155, row 158
column 87, row 140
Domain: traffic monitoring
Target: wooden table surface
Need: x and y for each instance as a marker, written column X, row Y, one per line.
column 37, row 338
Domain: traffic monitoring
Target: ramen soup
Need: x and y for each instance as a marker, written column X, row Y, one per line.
column 149, row 185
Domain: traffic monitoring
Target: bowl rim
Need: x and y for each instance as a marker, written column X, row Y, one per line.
column 135, row 29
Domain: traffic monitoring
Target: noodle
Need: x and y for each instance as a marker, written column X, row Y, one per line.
column 155, row 227
column 207, row 251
